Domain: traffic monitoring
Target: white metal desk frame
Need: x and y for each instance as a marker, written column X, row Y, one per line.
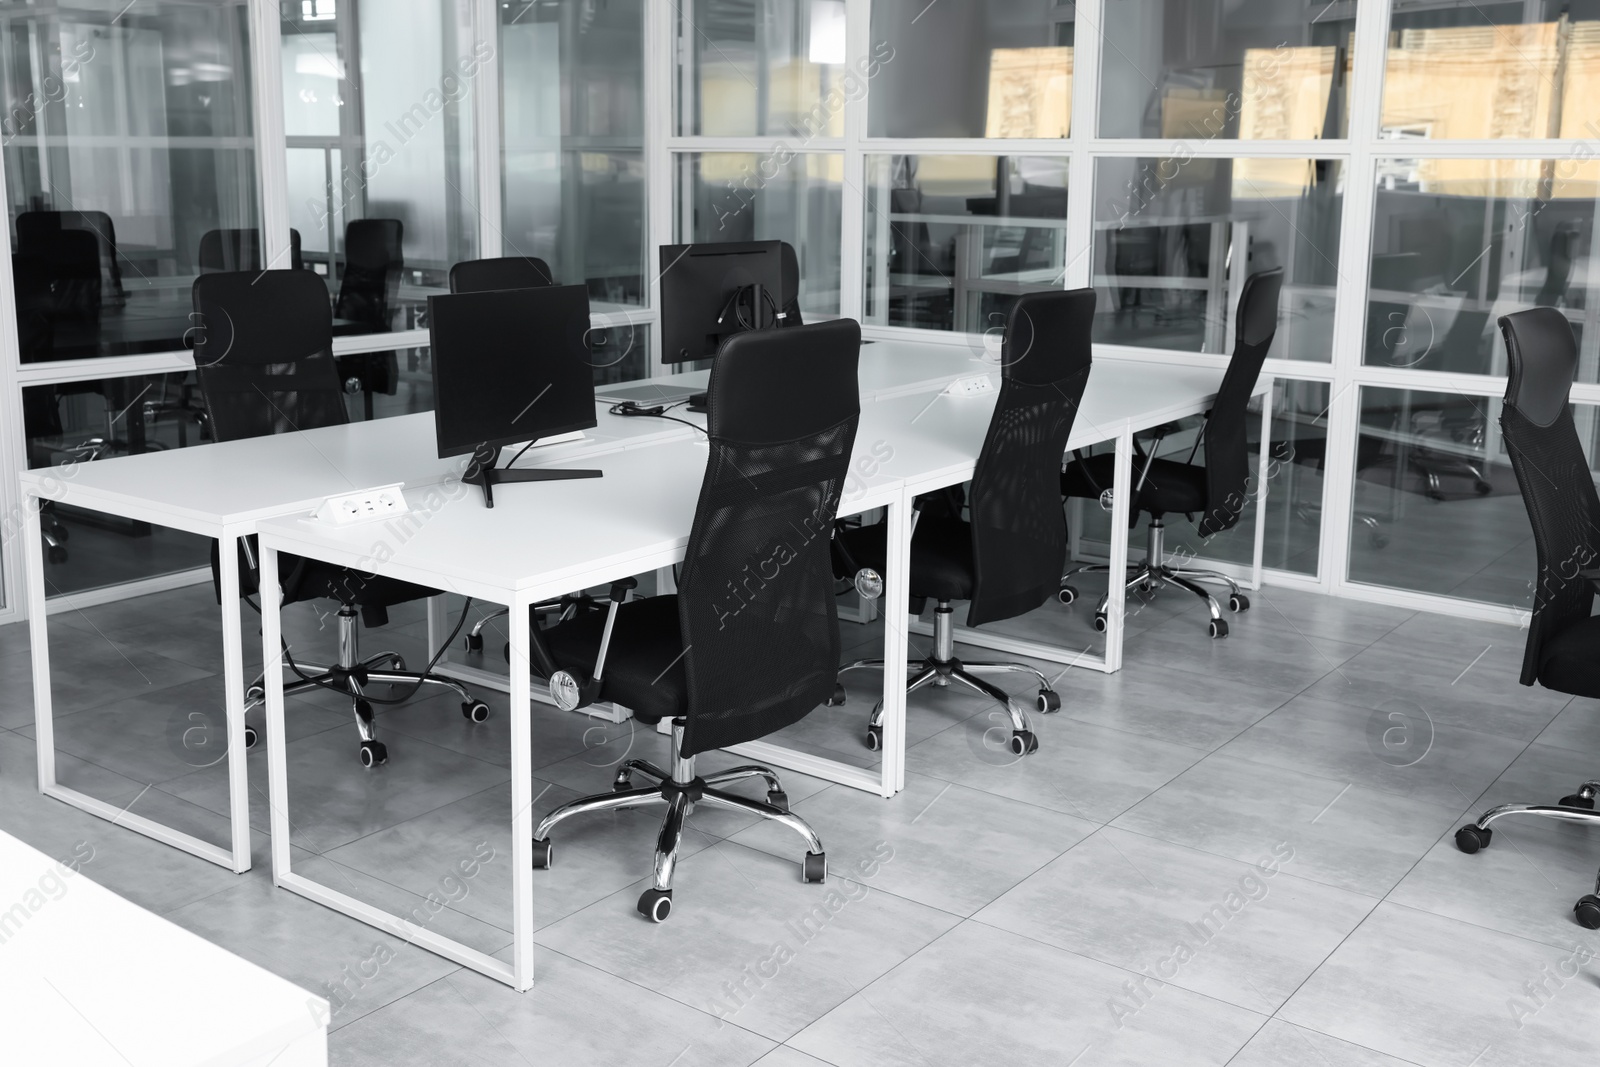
column 519, row 973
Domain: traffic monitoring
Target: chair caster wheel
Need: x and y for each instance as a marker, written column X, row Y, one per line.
column 62, row 534
column 250, row 737
column 1049, row 701
column 838, row 697
column 1484, row 489
column 1100, row 622
column 1238, row 602
column 1470, row 838
column 1587, row 912
column 474, row 643
column 541, row 854
column 656, row 904
column 778, row 799
column 373, row 752
column 1023, row 743
column 621, row 783
column 875, row 737
column 476, row 711
column 1378, row 541
column 255, row 695
column 56, row 554
column 1217, row 628
column 814, row 868
column 1578, row 800
column 397, row 663
column 1066, row 594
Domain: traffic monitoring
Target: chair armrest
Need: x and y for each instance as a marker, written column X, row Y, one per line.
column 567, row 690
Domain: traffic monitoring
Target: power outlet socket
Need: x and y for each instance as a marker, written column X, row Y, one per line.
column 367, row 505
column 975, row 385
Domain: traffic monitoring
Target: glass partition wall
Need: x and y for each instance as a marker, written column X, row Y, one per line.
column 1416, row 168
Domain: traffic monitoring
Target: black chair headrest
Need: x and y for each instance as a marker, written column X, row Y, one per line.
column 772, row 386
column 1258, row 307
column 1048, row 336
column 1544, row 362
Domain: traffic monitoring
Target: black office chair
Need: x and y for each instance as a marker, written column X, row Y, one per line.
column 368, row 289
column 750, row 642
column 39, row 231
column 224, row 250
column 1563, row 649
column 509, row 272
column 790, row 297
column 1007, row 560
column 1215, row 489
column 264, row 353
column 487, row 276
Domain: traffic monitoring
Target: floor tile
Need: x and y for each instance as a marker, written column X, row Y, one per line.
column 1165, row 704
column 1246, row 933
column 1265, row 655
column 1280, row 1043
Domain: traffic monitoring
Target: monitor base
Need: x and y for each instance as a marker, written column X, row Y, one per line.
column 700, row 403
column 484, row 473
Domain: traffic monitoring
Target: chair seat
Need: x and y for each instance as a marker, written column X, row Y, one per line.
column 1170, row 487
column 644, row 669
column 941, row 556
column 1569, row 662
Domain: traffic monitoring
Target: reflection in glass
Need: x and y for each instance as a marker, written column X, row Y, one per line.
column 758, row 69
column 729, row 196
column 1432, row 471
column 970, row 68
column 1264, row 71
column 1492, row 70
column 1175, row 239
column 952, row 241
column 127, row 139
column 1459, row 242
column 572, row 115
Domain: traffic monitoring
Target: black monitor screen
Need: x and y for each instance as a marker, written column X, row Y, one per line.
column 510, row 366
column 700, row 285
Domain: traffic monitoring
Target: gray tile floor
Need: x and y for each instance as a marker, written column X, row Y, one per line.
column 1235, row 852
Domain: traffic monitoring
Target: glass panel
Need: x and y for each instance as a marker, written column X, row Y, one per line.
column 1431, row 471
column 378, row 111
column 1266, row 71
column 1459, row 242
column 970, row 68
column 729, row 196
column 1170, row 232
column 1513, row 70
column 755, row 69
column 952, row 241
column 73, row 423
column 127, row 139
column 572, row 116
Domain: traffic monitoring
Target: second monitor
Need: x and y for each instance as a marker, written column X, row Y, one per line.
column 510, row 366
column 711, row 291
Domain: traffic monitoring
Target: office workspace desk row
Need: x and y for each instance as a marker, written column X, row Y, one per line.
column 581, row 534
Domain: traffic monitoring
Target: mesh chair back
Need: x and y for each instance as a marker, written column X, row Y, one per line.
column 1227, row 450
column 756, row 598
column 493, row 275
column 1019, row 535
column 1551, row 470
column 372, row 265
column 222, row 250
column 264, row 353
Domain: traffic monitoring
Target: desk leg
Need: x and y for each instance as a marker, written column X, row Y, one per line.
column 272, row 680
column 233, row 702
column 438, row 625
column 896, row 644
column 521, row 799
column 38, row 641
column 1116, row 601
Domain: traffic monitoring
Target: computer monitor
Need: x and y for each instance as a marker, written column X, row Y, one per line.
column 712, row 291
column 510, row 366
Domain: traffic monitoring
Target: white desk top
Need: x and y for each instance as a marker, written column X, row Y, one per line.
column 88, row 978
column 242, row 482
column 556, row 536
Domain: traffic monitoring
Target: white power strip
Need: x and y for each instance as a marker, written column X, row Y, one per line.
column 976, row 385
column 366, row 505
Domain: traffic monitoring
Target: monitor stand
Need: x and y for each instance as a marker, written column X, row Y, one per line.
column 700, row 402
column 484, row 471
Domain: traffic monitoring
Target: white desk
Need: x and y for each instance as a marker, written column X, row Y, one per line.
column 89, row 979
column 634, row 519
column 224, row 490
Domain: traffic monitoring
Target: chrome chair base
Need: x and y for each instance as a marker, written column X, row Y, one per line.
column 350, row 675
column 679, row 791
column 942, row 667
column 1152, row 574
column 1579, row 807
